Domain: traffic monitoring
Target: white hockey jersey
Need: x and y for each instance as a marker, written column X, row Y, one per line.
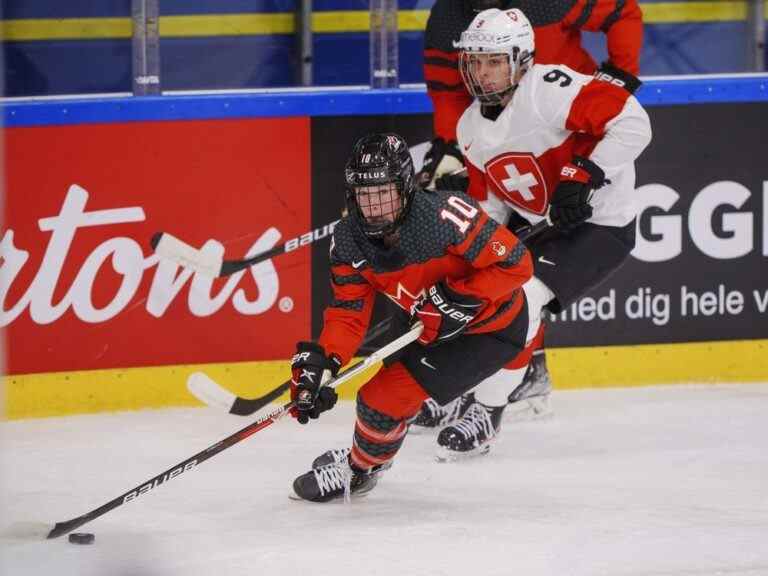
column 556, row 113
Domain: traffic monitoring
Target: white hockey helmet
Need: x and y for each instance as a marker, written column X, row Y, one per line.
column 495, row 32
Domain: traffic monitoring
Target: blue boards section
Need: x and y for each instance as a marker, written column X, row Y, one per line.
column 753, row 88
column 45, row 67
column 16, row 9
column 342, row 59
column 44, row 64
column 52, row 67
column 58, row 67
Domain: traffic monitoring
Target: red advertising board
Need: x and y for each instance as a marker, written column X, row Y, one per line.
column 81, row 288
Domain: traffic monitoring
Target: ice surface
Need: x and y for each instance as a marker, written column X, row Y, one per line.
column 650, row 481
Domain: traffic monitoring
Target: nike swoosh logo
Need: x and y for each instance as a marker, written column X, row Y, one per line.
column 545, row 261
column 427, row 364
column 467, row 146
column 357, row 265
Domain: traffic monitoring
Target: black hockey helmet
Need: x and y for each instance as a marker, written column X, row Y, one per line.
column 380, row 183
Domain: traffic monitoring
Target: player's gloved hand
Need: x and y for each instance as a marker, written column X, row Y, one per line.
column 452, row 182
column 444, row 313
column 310, row 369
column 441, row 158
column 570, row 203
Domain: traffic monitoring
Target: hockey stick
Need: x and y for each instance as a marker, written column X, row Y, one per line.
column 530, row 232
column 216, row 396
column 171, row 248
column 61, row 528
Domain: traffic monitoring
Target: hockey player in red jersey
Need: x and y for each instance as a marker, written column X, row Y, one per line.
column 544, row 141
column 443, row 262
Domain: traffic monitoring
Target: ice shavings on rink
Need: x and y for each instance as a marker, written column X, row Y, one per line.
column 651, row 482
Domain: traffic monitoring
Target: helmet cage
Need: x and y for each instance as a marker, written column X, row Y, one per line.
column 379, row 180
column 493, row 33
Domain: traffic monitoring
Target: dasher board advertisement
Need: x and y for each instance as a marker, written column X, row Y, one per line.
column 81, row 287
column 699, row 271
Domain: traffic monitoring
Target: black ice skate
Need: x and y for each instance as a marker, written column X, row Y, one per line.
column 432, row 415
column 339, row 455
column 333, row 456
column 530, row 400
column 472, row 435
column 334, row 481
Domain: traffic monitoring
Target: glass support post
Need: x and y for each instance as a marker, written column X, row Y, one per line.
column 304, row 43
column 756, row 36
column 383, row 44
column 145, row 15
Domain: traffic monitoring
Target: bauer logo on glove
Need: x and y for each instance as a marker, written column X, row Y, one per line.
column 570, row 205
column 445, row 314
column 569, row 172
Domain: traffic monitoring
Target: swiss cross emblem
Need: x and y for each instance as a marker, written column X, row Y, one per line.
column 517, row 178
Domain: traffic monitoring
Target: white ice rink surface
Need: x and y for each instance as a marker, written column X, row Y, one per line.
column 651, row 482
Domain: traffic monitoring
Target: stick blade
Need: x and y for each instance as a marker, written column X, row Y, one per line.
column 205, row 389
column 171, row 248
column 248, row 406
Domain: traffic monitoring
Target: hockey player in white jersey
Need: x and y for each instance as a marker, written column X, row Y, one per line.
column 543, row 141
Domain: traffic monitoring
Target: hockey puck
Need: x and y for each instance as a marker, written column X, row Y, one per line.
column 82, row 538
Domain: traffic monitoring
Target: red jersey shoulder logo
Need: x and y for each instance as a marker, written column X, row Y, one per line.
column 498, row 248
column 518, row 178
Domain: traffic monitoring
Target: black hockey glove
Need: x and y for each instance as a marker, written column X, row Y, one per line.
column 310, row 369
column 445, row 314
column 570, row 203
column 618, row 77
column 452, row 183
column 442, row 158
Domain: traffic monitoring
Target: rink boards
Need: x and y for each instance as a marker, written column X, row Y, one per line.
column 94, row 322
column 52, row 47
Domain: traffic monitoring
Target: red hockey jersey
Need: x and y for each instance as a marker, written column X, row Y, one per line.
column 556, row 113
column 445, row 237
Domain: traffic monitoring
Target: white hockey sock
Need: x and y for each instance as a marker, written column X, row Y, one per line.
column 494, row 390
column 537, row 295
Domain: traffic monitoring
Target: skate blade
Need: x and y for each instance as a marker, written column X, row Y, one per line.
column 443, row 455
column 338, row 500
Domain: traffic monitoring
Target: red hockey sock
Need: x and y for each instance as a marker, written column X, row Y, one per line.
column 383, row 406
